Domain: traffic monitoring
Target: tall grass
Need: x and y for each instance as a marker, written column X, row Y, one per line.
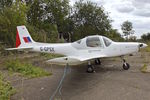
column 6, row 89
column 25, row 69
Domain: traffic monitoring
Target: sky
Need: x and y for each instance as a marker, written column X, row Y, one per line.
column 135, row 11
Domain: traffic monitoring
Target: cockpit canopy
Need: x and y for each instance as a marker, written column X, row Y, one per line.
column 92, row 42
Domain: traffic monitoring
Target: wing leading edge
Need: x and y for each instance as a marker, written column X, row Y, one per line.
column 73, row 60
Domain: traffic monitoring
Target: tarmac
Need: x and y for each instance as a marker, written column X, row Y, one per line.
column 109, row 82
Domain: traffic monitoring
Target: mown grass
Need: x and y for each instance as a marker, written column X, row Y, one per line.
column 25, row 69
column 6, row 90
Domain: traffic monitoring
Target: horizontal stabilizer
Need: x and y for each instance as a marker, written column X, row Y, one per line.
column 20, row 48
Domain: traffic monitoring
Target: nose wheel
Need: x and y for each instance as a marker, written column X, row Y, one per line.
column 90, row 68
column 125, row 66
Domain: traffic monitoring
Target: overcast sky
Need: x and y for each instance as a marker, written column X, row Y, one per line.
column 135, row 11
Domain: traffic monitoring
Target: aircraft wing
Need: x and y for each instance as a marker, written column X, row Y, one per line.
column 64, row 61
column 89, row 57
column 73, row 60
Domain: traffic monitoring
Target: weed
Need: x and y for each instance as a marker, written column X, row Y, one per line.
column 25, row 69
column 6, row 90
column 144, row 68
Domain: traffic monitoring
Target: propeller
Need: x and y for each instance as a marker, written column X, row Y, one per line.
column 140, row 45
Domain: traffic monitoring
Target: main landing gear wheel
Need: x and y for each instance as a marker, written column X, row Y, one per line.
column 90, row 69
column 97, row 62
column 126, row 66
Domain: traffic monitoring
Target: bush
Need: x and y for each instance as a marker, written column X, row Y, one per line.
column 6, row 89
column 25, row 69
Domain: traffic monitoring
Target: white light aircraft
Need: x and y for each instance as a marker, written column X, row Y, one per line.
column 87, row 49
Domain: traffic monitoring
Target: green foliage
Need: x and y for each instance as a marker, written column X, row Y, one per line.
column 5, row 3
column 25, row 69
column 144, row 68
column 6, row 90
column 47, row 19
column 146, row 37
column 58, row 11
column 11, row 17
column 127, row 28
column 2, row 50
column 114, row 35
column 147, row 49
column 89, row 19
column 35, row 13
column 48, row 33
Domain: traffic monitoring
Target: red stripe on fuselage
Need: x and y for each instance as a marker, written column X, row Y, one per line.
column 17, row 39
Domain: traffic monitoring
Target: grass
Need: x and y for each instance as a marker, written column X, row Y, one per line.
column 144, row 69
column 6, row 90
column 25, row 69
column 147, row 49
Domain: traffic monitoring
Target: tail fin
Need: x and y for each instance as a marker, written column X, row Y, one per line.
column 23, row 37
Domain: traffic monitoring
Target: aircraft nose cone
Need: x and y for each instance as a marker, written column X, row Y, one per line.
column 142, row 45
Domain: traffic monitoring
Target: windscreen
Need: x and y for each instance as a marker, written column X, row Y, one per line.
column 93, row 42
column 107, row 41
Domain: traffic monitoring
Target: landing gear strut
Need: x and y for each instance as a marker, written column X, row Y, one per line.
column 90, row 68
column 125, row 66
column 97, row 61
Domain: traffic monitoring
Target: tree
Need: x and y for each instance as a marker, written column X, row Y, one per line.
column 36, row 12
column 114, row 35
column 5, row 3
column 10, row 18
column 57, row 12
column 127, row 28
column 90, row 19
column 145, row 37
column 37, row 18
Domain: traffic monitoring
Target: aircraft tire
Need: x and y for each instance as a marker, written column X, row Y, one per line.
column 126, row 66
column 90, row 69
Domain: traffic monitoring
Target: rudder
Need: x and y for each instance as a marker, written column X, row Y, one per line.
column 23, row 37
